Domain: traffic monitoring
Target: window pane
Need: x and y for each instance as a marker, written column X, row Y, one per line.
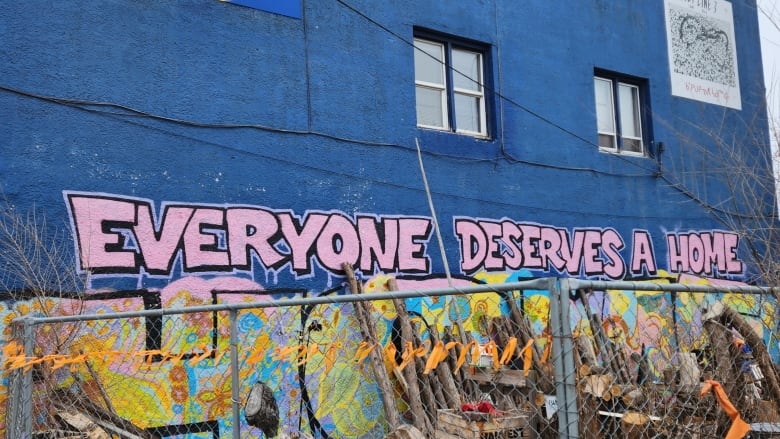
column 629, row 111
column 467, row 113
column 631, row 145
column 467, row 70
column 430, row 110
column 607, row 141
column 428, row 62
column 605, row 114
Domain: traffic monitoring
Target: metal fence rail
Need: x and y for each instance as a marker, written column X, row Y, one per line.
column 550, row 357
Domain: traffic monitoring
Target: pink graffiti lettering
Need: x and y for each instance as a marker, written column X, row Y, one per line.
column 493, row 259
column 413, row 235
column 201, row 249
column 611, row 243
column 160, row 248
column 495, row 246
column 122, row 235
column 253, row 231
column 338, row 243
column 99, row 244
column 383, row 251
column 705, row 253
column 572, row 254
column 301, row 241
column 642, row 254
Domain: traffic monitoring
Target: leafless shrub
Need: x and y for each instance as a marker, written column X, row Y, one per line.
column 733, row 180
column 38, row 266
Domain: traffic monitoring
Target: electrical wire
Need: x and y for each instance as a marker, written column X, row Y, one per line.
column 546, row 120
column 126, row 111
column 653, row 173
column 87, row 106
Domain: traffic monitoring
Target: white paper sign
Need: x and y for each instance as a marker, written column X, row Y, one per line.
column 702, row 51
column 551, row 405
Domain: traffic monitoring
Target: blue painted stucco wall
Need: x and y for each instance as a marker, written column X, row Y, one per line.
column 210, row 102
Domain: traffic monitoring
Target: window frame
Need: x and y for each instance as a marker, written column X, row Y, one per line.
column 449, row 114
column 640, row 113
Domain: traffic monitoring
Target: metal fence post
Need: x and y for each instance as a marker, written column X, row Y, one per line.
column 19, row 419
column 234, row 373
column 12, row 406
column 12, row 413
column 563, row 359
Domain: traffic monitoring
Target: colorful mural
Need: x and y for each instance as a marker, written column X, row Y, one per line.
column 243, row 150
column 191, row 385
column 173, row 372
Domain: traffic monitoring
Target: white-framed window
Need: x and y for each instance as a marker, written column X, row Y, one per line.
column 449, row 86
column 620, row 112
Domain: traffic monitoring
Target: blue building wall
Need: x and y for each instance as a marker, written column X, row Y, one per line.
column 208, row 102
column 203, row 104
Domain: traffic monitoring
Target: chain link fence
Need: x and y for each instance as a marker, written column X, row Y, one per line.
column 545, row 358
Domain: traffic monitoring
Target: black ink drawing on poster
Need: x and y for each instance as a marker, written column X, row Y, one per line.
column 702, row 53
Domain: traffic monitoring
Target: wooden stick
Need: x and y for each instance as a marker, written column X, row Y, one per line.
column 100, row 387
column 470, row 389
column 444, row 373
column 609, row 352
column 523, row 332
column 624, row 364
column 419, row 415
column 377, row 362
column 432, row 397
column 586, row 351
column 444, row 384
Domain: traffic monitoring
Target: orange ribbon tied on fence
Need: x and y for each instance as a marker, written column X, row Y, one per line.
column 365, row 349
column 547, row 348
column 492, row 349
column 438, row 354
column 739, row 428
column 464, row 351
column 527, row 353
column 410, row 352
column 509, row 350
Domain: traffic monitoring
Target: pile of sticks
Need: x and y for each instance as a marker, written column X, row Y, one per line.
column 616, row 385
column 424, row 393
column 449, row 384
